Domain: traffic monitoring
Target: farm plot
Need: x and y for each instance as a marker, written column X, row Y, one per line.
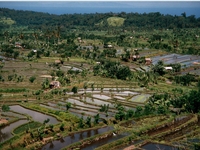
column 66, row 68
column 74, row 111
column 119, row 97
column 99, row 102
column 101, row 96
column 140, row 98
column 195, row 72
column 49, row 107
column 176, row 58
column 126, row 93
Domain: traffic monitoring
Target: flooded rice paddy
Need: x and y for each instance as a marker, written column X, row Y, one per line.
column 59, row 144
column 184, row 60
column 5, row 132
column 37, row 116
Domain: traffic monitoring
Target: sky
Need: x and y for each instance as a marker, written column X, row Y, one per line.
column 70, row 7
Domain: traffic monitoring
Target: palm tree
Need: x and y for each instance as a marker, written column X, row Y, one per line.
column 85, row 86
column 96, row 119
column 6, row 34
column 88, row 121
column 59, row 105
column 68, row 105
column 58, row 34
column 143, row 78
column 75, row 89
column 35, row 35
column 48, row 35
column 92, row 86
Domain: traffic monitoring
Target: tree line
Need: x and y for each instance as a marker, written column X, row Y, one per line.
column 98, row 21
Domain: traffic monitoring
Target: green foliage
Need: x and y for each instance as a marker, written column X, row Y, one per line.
column 189, row 101
column 81, row 123
column 196, row 146
column 30, row 54
column 96, row 119
column 85, row 86
column 112, row 69
column 10, row 77
column 20, row 79
column 150, row 20
column 148, row 109
column 75, row 89
column 120, row 115
column 60, row 73
column 115, row 21
column 198, row 84
column 5, row 108
column 104, row 108
column 51, row 126
column 88, row 121
column 138, row 111
column 176, row 67
column 184, row 79
column 31, row 125
column 45, row 84
column 15, row 54
column 130, row 113
column 68, row 105
column 109, row 53
column 32, row 79
column 46, row 121
column 159, row 68
column 62, row 127
column 13, row 90
column 161, row 109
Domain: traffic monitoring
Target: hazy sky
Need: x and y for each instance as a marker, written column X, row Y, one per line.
column 59, row 7
column 124, row 4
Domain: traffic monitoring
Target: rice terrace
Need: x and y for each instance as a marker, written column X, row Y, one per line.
column 103, row 81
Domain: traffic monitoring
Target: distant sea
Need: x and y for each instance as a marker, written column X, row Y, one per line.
column 78, row 8
column 171, row 11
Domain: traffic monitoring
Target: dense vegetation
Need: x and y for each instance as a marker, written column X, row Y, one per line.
column 99, row 21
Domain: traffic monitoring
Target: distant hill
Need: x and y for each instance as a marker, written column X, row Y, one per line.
column 96, row 21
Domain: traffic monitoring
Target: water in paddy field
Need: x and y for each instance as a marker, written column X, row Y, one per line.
column 154, row 146
column 5, row 132
column 101, row 96
column 59, row 144
column 37, row 116
column 187, row 60
column 104, row 141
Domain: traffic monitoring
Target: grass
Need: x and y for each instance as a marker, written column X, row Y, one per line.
column 140, row 98
column 8, row 21
column 115, row 21
column 13, row 90
column 24, row 127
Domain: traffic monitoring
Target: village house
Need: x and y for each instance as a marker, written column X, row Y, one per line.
column 55, row 84
column 34, row 50
column 108, row 45
column 148, row 61
column 168, row 68
column 135, row 57
column 57, row 62
column 18, row 45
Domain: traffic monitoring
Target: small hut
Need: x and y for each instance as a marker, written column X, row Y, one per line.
column 55, row 84
column 148, row 61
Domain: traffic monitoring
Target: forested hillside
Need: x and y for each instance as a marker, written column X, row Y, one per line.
column 99, row 20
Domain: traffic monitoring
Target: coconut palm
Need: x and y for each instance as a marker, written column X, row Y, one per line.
column 68, row 106
column 85, row 86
